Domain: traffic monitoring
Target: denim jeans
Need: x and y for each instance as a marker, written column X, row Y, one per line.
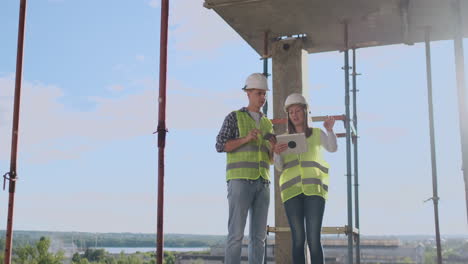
column 308, row 209
column 250, row 197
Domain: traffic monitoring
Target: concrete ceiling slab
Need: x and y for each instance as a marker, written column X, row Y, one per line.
column 370, row 22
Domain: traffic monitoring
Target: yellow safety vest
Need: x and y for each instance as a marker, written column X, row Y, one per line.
column 305, row 173
column 251, row 160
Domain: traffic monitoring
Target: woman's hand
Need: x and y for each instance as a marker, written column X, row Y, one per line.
column 329, row 123
column 278, row 148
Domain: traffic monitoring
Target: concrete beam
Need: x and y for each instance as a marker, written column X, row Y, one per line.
column 372, row 22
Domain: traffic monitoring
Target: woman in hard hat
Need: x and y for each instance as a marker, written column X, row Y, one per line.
column 304, row 180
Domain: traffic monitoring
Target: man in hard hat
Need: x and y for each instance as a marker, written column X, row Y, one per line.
column 249, row 156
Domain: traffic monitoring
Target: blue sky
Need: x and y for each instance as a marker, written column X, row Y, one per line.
column 87, row 155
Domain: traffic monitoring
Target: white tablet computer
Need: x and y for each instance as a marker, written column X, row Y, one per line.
column 297, row 143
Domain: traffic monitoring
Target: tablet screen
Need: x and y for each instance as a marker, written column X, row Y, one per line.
column 297, row 143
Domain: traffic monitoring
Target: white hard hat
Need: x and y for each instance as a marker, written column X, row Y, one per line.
column 294, row 98
column 256, row 81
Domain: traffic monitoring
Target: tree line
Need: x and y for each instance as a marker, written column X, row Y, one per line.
column 85, row 240
column 39, row 253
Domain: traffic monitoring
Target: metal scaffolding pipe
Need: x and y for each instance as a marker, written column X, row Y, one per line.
column 230, row 3
column 348, row 147
column 265, row 111
column 461, row 90
column 12, row 176
column 162, row 130
column 355, row 148
column 265, row 70
column 435, row 196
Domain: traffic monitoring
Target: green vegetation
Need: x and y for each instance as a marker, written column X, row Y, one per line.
column 33, row 247
column 38, row 253
column 34, row 254
column 86, row 240
column 99, row 256
column 453, row 251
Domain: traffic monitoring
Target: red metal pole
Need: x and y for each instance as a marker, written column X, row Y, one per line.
column 162, row 130
column 314, row 119
column 14, row 137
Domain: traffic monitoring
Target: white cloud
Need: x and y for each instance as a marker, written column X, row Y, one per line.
column 67, row 210
column 383, row 57
column 154, row 3
column 202, row 219
column 47, row 125
column 197, row 28
column 318, row 86
column 387, row 134
column 125, row 69
column 140, row 58
column 116, row 88
column 119, row 67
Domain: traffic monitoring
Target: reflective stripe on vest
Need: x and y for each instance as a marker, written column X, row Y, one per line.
column 251, row 160
column 290, row 164
column 290, row 183
column 305, row 173
column 304, row 164
column 246, row 148
column 315, row 181
column 297, row 179
column 246, row 164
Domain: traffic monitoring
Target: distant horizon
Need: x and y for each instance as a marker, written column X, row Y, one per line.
column 246, row 235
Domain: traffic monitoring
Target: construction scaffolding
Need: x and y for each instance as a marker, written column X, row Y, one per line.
column 11, row 176
column 346, row 26
column 351, row 136
column 319, row 26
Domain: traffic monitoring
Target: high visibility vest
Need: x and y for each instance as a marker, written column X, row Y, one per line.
column 251, row 160
column 306, row 172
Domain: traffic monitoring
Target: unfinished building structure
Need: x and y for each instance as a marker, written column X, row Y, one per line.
column 286, row 31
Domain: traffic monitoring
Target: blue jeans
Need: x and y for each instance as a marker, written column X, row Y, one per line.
column 247, row 197
column 310, row 209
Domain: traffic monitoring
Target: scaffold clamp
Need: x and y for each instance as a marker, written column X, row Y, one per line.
column 11, row 176
column 434, row 198
column 159, row 130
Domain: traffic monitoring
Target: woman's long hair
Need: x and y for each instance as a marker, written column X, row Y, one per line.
column 292, row 129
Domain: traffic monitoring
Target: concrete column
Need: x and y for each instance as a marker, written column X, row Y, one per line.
column 288, row 63
column 461, row 91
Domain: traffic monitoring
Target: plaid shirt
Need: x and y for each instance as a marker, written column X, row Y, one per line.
column 229, row 130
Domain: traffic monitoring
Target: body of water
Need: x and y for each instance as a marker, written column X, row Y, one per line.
column 126, row 250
